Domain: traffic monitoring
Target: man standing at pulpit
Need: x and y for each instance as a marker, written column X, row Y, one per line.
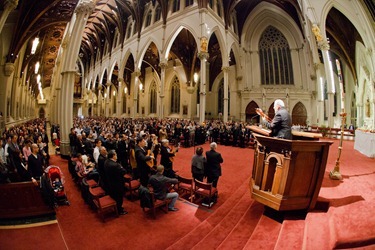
column 281, row 124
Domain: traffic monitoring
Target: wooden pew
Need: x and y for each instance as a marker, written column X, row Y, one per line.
column 22, row 199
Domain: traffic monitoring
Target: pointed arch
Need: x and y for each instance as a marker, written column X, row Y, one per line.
column 176, row 32
column 299, row 114
column 251, row 115
column 271, row 111
column 148, row 43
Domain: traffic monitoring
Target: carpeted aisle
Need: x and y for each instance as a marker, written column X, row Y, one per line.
column 80, row 224
column 235, row 222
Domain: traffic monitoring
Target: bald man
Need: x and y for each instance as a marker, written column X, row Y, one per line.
column 35, row 162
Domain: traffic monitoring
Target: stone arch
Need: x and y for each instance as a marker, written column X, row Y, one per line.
column 271, row 111
column 251, row 115
column 299, row 114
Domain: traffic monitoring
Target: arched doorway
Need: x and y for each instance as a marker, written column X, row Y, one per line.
column 271, row 111
column 42, row 113
column 299, row 114
column 251, row 115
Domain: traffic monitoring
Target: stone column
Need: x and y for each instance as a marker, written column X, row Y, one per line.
column 135, row 93
column 202, row 95
column 73, row 41
column 163, row 66
column 9, row 6
column 226, row 99
column 320, row 82
column 4, row 93
column 99, row 112
column 324, row 46
column 56, row 109
column 119, row 110
column 107, row 104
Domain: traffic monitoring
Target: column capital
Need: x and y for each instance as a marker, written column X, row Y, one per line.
column 190, row 89
column 317, row 65
column 203, row 55
column 120, row 80
column 324, row 45
column 137, row 73
column 108, row 84
column 8, row 69
column 163, row 64
column 225, row 68
column 85, row 7
column 11, row 4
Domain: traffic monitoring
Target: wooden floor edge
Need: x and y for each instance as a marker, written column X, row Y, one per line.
column 38, row 224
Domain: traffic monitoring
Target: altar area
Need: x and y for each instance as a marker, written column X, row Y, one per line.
column 365, row 143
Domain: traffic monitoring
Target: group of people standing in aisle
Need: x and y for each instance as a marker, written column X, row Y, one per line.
column 24, row 152
column 136, row 150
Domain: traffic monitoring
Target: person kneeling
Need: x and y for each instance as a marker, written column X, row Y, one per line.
column 158, row 182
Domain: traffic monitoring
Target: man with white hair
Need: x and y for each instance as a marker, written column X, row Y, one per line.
column 281, row 124
column 213, row 167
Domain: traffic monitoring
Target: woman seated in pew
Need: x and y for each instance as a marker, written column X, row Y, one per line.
column 85, row 168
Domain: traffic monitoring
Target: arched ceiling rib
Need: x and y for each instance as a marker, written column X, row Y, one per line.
column 48, row 19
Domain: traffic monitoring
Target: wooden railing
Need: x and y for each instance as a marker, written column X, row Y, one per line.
column 349, row 134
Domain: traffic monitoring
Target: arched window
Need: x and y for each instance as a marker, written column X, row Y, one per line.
column 114, row 107
column 176, row 6
column 175, row 96
column 153, row 96
column 157, row 13
column 148, row 18
column 275, row 59
column 220, row 96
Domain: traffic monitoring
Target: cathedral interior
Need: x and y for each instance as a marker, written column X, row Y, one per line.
column 191, row 59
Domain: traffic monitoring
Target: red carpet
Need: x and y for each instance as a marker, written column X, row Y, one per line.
column 40, row 237
column 235, row 222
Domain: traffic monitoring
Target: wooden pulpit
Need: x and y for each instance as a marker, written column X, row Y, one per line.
column 288, row 174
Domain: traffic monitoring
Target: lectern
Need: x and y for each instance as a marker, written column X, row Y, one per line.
column 288, row 174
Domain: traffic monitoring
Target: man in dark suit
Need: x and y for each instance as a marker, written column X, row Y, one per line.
column 213, row 168
column 165, row 160
column 141, row 157
column 101, row 161
column 115, row 177
column 281, row 124
column 35, row 162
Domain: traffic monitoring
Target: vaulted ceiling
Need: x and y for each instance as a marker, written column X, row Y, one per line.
column 47, row 19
